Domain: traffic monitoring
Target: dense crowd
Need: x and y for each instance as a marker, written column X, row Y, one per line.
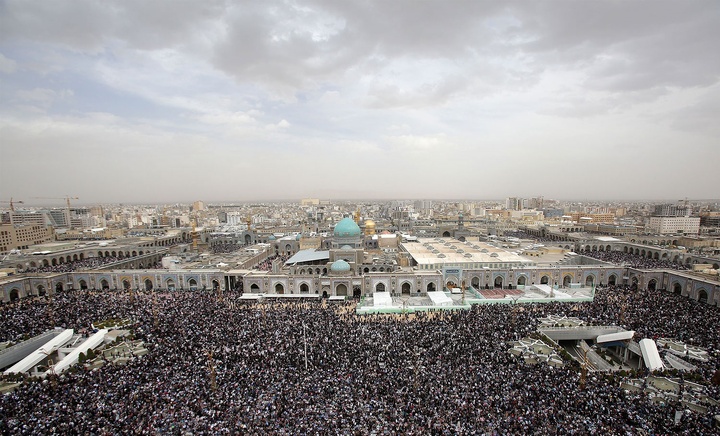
column 266, row 265
column 84, row 264
column 75, row 265
column 430, row 373
column 634, row 260
column 525, row 235
column 225, row 247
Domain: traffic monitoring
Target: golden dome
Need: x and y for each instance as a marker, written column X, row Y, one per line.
column 369, row 227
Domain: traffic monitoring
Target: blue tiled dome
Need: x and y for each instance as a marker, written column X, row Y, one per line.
column 347, row 228
column 340, row 266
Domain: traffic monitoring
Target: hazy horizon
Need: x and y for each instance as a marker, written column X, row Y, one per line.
column 125, row 102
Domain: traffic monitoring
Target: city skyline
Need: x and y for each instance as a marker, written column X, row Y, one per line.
column 115, row 102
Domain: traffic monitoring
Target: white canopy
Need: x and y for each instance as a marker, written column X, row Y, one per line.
column 382, row 299
column 440, row 299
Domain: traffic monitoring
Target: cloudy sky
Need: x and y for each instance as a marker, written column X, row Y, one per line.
column 154, row 101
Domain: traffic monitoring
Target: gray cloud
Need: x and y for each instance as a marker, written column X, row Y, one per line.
column 507, row 97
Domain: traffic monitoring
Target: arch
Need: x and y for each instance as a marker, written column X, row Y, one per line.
column 544, row 280
column 248, row 239
column 114, row 254
column 499, row 282
column 702, row 296
column 58, row 287
column 677, row 288
column 279, row 288
column 567, row 280
column 83, row 284
column 366, row 270
column 357, row 292
column 192, row 284
column 107, row 254
column 148, row 285
column 14, row 294
column 341, row 289
column 637, row 252
column 324, row 271
column 601, row 248
column 652, row 284
column 380, row 287
column 33, row 264
column 126, row 284
column 170, row 285
column 254, row 288
column 587, row 248
column 431, row 287
column 446, row 234
column 405, row 288
column 100, row 254
column 589, row 281
column 475, row 282
column 104, row 284
column 642, row 253
column 215, row 285
column 594, row 248
column 134, row 253
column 75, row 257
column 656, row 255
column 317, row 271
column 612, row 279
column 41, row 290
column 521, row 280
column 608, row 248
column 68, row 259
column 304, row 288
column 54, row 262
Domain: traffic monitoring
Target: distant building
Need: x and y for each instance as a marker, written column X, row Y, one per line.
column 199, row 206
column 21, row 237
column 672, row 210
column 664, row 225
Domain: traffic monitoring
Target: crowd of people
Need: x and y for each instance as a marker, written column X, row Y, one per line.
column 74, row 265
column 266, row 265
column 224, row 247
column 437, row 372
column 634, row 260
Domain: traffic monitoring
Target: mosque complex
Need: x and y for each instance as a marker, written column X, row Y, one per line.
column 387, row 272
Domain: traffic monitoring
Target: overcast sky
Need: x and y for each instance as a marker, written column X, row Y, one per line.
column 153, row 101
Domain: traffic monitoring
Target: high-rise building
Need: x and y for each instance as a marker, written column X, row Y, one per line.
column 673, row 210
column 14, row 237
column 664, row 225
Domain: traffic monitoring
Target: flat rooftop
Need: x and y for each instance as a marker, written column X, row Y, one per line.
column 440, row 251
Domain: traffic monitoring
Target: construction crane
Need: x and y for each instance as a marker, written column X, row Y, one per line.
column 67, row 199
column 12, row 203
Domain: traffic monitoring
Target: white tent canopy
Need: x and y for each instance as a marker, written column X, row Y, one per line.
column 440, row 299
column 382, row 299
